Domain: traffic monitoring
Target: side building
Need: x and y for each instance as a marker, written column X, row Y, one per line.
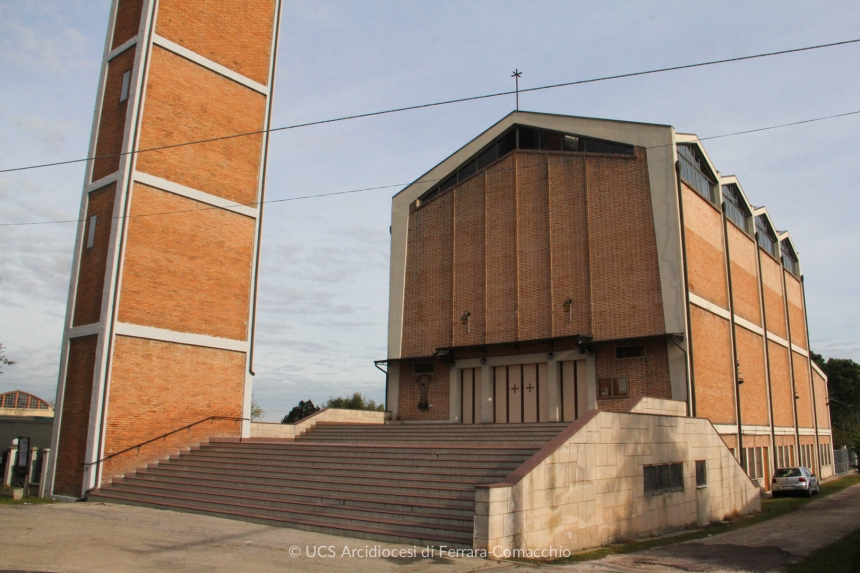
column 558, row 264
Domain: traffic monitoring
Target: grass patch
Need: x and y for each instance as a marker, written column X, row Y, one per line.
column 25, row 501
column 840, row 557
column 770, row 509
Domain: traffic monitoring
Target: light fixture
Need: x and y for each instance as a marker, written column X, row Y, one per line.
column 740, row 376
column 567, row 305
column 466, row 320
column 483, row 361
column 549, row 356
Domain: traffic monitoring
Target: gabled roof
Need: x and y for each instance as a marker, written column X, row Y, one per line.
column 732, row 180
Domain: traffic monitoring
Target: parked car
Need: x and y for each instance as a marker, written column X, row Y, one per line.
column 794, row 480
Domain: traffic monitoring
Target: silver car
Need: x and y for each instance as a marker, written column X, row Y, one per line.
column 794, row 480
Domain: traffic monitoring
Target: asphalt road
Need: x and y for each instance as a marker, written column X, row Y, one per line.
column 92, row 537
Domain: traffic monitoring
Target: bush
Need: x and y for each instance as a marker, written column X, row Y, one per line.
column 303, row 410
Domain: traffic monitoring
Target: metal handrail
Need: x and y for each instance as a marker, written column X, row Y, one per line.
column 163, row 436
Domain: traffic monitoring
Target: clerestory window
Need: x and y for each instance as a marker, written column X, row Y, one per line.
column 765, row 236
column 735, row 208
column 695, row 173
column 789, row 259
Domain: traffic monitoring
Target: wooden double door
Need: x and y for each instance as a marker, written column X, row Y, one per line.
column 521, row 393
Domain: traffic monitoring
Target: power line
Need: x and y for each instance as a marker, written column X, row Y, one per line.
column 362, row 190
column 435, row 104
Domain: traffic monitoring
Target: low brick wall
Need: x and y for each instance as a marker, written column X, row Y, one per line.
column 586, row 487
column 330, row 415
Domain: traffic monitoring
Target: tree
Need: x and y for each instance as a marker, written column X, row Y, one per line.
column 256, row 411
column 843, row 383
column 303, row 410
column 3, row 360
column 354, row 402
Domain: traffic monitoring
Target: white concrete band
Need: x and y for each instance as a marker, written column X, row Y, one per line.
column 208, row 64
column 778, row 339
column 164, row 335
column 709, row 306
column 799, row 350
column 86, row 330
column 751, row 326
column 104, row 181
column 194, row 194
column 818, row 369
column 120, row 49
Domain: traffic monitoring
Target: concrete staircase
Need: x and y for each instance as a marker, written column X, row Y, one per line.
column 402, row 483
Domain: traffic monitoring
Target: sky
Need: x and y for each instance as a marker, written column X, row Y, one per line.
column 324, row 271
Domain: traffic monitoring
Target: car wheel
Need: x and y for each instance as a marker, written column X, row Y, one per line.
column 809, row 492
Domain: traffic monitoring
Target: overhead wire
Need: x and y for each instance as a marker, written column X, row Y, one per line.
column 433, row 104
column 364, row 189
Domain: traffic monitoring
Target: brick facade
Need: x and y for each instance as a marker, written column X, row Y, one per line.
column 796, row 318
column 712, row 367
column 753, row 392
column 438, row 390
column 780, row 385
column 821, row 399
column 93, row 261
column 703, row 231
column 774, row 304
column 646, row 376
column 75, row 417
column 745, row 291
column 127, row 21
column 803, row 390
column 113, row 117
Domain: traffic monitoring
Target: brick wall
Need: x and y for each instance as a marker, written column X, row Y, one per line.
column 157, row 387
column 745, row 294
column 113, row 117
column 127, row 21
column 532, row 240
column 712, row 366
column 186, row 102
column 568, row 245
column 213, row 30
column 188, row 272
column 803, row 388
column 626, row 297
column 771, row 275
column 72, row 447
column 469, row 263
column 501, row 240
column 703, row 231
column 796, row 318
column 821, row 410
column 780, row 385
column 646, row 376
column 438, row 391
column 755, row 408
column 534, row 292
column 93, row 261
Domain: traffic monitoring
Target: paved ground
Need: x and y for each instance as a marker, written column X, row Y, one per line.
column 89, row 537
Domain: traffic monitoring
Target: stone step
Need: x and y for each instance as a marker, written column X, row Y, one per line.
column 349, row 498
column 404, row 460
column 297, row 449
column 270, row 504
column 379, row 532
column 332, row 467
column 460, row 500
column 460, row 490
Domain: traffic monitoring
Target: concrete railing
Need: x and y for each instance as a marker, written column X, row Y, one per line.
column 586, row 487
column 331, row 415
column 660, row 406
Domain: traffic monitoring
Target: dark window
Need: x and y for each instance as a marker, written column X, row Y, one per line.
column 787, row 472
column 735, row 208
column 507, row 143
column 630, row 351
column 448, row 183
column 664, row 477
column 529, row 138
column 694, row 174
column 701, row 474
column 765, row 236
column 487, row 157
column 470, row 169
column 595, row 146
column 571, row 143
column 611, row 387
column 551, row 140
column 126, row 83
column 426, row 368
column 620, row 149
column 91, row 232
column 789, row 259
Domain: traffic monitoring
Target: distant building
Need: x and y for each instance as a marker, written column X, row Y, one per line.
column 20, row 403
column 558, row 264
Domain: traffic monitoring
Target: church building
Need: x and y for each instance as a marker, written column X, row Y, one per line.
column 556, row 264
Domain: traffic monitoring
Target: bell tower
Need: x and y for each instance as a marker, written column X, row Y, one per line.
column 159, row 328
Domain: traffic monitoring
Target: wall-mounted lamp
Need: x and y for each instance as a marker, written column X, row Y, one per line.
column 549, row 356
column 796, row 397
column 567, row 305
column 740, row 376
column 483, row 361
column 466, row 320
